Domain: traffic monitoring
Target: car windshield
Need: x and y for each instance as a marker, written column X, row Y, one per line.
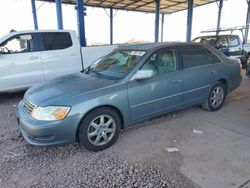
column 212, row 40
column 116, row 64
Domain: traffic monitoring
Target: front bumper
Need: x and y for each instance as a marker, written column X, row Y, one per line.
column 47, row 133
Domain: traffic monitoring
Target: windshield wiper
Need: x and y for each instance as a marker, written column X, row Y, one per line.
column 86, row 71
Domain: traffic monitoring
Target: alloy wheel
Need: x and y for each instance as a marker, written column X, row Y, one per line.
column 217, row 97
column 101, row 130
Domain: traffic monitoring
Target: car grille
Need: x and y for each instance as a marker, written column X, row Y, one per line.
column 28, row 107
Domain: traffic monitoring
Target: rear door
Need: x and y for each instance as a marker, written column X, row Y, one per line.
column 61, row 55
column 20, row 62
column 161, row 93
column 199, row 73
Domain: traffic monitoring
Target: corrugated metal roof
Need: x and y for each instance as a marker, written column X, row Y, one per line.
column 166, row 6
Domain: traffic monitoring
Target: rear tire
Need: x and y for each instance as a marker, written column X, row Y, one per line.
column 248, row 66
column 245, row 63
column 216, row 97
column 99, row 129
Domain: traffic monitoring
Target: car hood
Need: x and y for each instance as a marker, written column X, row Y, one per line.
column 56, row 91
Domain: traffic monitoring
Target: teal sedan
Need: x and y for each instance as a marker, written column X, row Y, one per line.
column 131, row 84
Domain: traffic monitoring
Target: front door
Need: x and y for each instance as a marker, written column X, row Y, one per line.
column 161, row 93
column 20, row 62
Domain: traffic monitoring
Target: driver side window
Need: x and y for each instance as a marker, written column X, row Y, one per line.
column 162, row 62
column 18, row 44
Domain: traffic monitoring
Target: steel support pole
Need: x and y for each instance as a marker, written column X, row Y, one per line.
column 219, row 17
column 111, row 25
column 189, row 20
column 33, row 5
column 80, row 22
column 59, row 14
column 157, row 16
column 247, row 22
column 162, row 26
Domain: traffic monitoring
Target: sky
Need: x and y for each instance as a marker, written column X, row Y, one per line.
column 17, row 14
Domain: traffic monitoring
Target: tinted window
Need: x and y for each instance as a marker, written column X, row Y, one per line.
column 193, row 56
column 233, row 41
column 56, row 41
column 18, row 44
column 163, row 61
column 213, row 58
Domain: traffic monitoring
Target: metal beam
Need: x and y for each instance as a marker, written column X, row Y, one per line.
column 247, row 22
column 219, row 16
column 189, row 20
column 111, row 25
column 33, row 5
column 80, row 22
column 157, row 16
column 59, row 14
column 162, row 26
column 100, row 5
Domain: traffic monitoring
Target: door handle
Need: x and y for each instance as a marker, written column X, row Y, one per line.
column 213, row 72
column 33, row 57
column 177, row 81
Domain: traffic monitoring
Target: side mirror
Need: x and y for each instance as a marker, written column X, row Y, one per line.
column 143, row 74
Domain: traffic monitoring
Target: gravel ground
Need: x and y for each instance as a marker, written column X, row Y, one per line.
column 23, row 165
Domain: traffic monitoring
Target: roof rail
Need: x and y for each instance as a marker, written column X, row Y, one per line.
column 239, row 28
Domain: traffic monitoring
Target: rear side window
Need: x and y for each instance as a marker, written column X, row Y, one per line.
column 193, row 56
column 56, row 41
column 233, row 41
column 213, row 58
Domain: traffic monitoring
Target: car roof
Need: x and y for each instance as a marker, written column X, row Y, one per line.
column 152, row 46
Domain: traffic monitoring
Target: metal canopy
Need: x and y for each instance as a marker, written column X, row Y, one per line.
column 166, row 6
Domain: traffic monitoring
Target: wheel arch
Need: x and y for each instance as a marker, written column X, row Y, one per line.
column 101, row 106
column 224, row 81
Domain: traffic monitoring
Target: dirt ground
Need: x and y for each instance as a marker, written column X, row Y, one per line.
column 214, row 151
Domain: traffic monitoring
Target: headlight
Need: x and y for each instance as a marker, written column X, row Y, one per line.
column 50, row 113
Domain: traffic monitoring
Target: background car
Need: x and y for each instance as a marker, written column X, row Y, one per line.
column 230, row 45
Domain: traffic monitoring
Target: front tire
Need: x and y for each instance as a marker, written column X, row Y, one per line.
column 99, row 129
column 216, row 97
